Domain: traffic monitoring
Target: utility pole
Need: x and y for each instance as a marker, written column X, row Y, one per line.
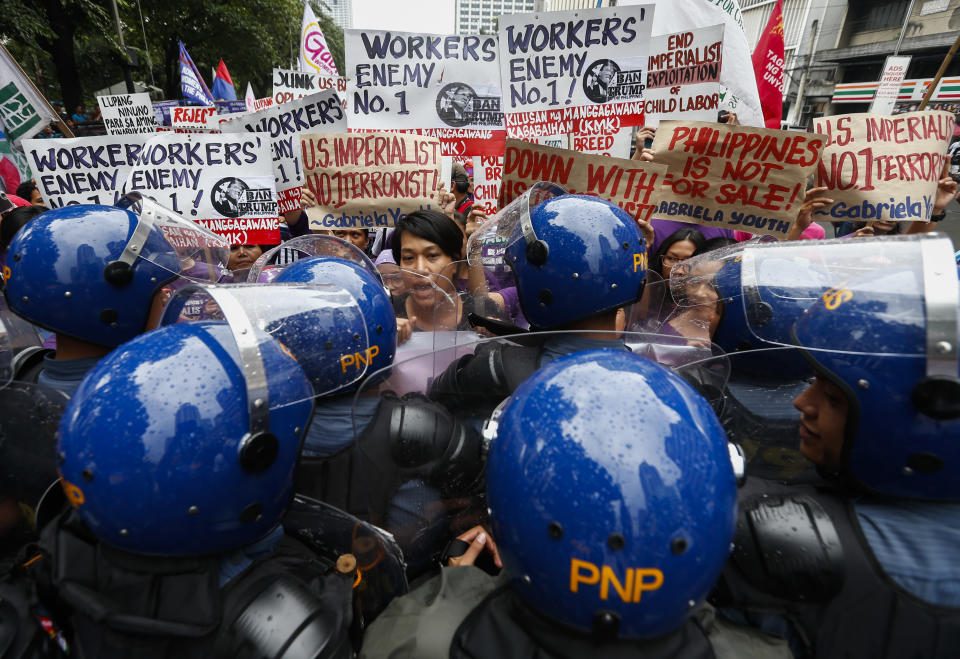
column 127, row 74
column 903, row 30
column 797, row 110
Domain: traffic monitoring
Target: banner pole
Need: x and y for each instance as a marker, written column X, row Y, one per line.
column 943, row 69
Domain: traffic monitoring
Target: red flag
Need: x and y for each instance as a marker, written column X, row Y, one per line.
column 768, row 67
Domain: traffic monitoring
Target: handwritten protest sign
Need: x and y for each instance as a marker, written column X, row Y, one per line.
column 883, row 168
column 368, row 180
column 444, row 86
column 318, row 113
column 737, row 177
column 194, row 119
column 128, row 114
column 83, row 170
column 684, row 77
column 224, row 182
column 631, row 184
column 603, row 139
column 487, row 176
column 559, row 68
column 162, row 109
column 291, row 85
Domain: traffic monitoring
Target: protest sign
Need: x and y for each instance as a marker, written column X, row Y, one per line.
column 128, row 114
column 223, row 182
column 734, row 177
column 289, row 85
column 83, row 170
column 631, row 184
column 368, row 180
column 683, row 81
column 195, row 117
column 444, row 86
column 883, row 168
column 487, row 176
column 558, row 68
column 601, row 138
column 319, row 113
column 230, row 107
column 161, row 110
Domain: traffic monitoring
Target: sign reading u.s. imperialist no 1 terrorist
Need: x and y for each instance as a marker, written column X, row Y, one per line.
column 446, row 87
column 559, row 68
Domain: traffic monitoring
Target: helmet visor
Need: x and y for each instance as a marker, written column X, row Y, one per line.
column 272, row 262
column 488, row 243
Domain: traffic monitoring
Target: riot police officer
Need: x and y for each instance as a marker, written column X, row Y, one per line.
column 613, row 501
column 872, row 545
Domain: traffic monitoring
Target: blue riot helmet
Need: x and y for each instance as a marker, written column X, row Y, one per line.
column 303, row 247
column 612, row 494
column 92, row 272
column 366, row 287
column 183, row 441
column 322, row 326
column 572, row 256
column 888, row 339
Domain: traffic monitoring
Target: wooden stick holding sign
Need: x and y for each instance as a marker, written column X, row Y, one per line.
column 368, row 180
column 631, row 184
column 735, row 177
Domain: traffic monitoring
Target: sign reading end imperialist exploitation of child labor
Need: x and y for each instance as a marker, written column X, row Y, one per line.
column 368, row 180
column 319, row 113
column 883, row 168
column 735, row 177
column 128, row 114
column 446, row 87
column 558, row 68
column 223, row 182
column 684, row 77
column 631, row 184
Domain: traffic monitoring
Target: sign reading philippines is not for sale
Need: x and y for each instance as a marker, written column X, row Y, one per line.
column 557, row 68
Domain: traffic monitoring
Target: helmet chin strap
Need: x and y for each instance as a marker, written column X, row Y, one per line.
column 120, row 271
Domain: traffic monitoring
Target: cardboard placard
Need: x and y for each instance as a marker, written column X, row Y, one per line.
column 224, row 182
column 487, row 177
column 883, row 168
column 128, row 114
column 83, row 170
column 318, row 113
column 735, row 177
column 368, row 180
column 631, row 184
column 684, row 78
column 558, row 68
column 445, row 86
column 289, row 85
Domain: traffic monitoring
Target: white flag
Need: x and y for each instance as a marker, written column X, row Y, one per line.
column 738, row 82
column 315, row 57
column 23, row 111
column 249, row 98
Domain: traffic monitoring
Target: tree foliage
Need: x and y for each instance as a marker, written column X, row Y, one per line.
column 252, row 37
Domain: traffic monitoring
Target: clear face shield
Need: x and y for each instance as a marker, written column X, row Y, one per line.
column 426, row 494
column 201, row 255
column 319, row 328
column 272, row 262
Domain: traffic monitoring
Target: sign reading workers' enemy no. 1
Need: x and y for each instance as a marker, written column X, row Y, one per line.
column 558, row 68
column 883, row 168
column 318, row 113
column 445, row 86
column 368, row 180
column 734, row 177
column 631, row 184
